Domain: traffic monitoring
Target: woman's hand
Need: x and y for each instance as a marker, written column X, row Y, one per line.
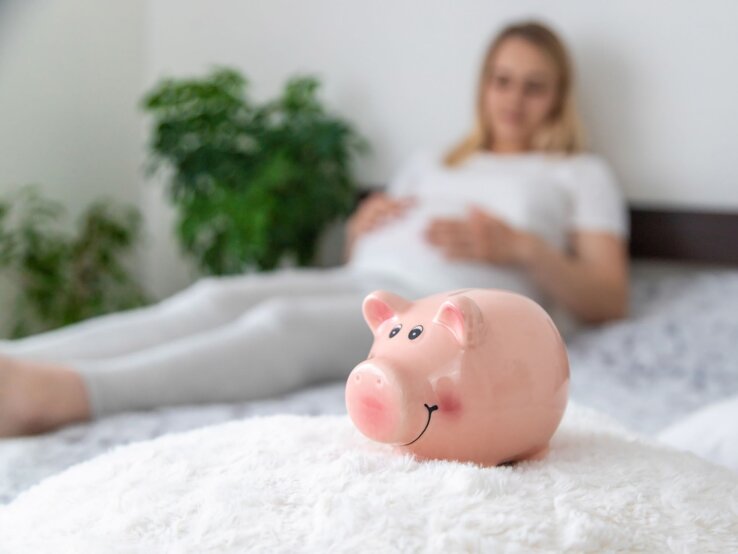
column 375, row 211
column 480, row 237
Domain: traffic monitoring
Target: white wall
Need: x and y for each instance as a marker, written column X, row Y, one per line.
column 657, row 78
column 70, row 77
column 657, row 86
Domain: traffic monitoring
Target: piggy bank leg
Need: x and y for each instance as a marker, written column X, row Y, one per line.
column 536, row 454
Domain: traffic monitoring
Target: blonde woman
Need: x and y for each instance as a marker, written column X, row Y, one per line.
column 516, row 205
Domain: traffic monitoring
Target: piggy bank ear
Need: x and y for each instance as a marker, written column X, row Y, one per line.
column 463, row 318
column 380, row 305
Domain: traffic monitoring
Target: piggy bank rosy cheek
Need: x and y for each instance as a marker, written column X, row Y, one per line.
column 448, row 397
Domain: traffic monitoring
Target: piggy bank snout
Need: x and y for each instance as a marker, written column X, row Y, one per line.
column 379, row 404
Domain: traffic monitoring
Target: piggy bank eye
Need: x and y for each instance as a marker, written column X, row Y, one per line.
column 415, row 332
column 395, row 330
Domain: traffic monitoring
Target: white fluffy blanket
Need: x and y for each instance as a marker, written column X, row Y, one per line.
column 313, row 484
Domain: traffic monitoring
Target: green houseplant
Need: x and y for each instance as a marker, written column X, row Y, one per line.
column 61, row 277
column 253, row 184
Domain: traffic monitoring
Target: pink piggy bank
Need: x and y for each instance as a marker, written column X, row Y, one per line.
column 478, row 375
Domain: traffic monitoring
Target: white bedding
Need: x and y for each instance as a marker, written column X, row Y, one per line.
column 299, row 484
column 710, row 432
column 677, row 353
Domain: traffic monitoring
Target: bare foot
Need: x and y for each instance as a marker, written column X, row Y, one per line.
column 36, row 397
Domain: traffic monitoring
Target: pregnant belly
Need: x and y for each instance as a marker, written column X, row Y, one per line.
column 400, row 249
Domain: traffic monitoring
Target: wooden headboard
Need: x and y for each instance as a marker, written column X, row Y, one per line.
column 699, row 236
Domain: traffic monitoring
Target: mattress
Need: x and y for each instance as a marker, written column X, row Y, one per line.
column 677, row 352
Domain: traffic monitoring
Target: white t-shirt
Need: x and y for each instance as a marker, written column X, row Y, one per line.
column 544, row 194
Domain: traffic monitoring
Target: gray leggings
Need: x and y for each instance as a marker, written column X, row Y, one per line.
column 223, row 339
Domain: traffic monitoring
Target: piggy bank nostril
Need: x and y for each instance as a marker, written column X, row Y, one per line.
column 357, row 378
column 379, row 381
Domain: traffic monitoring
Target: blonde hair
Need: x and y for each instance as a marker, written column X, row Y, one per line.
column 562, row 132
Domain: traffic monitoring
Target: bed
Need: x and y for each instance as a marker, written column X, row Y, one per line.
column 675, row 355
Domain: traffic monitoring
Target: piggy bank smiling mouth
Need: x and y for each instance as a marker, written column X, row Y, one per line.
column 430, row 409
